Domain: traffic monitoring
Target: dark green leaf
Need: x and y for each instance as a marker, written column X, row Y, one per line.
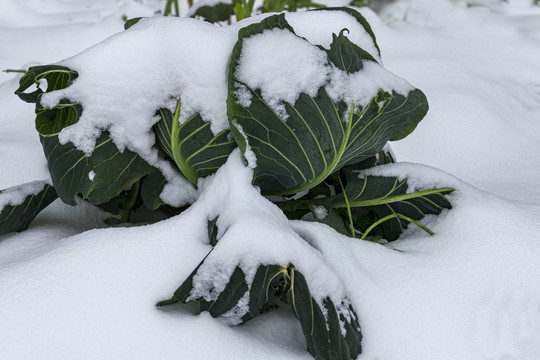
column 129, row 23
column 98, row 177
column 19, row 217
column 50, row 121
column 218, row 12
column 347, row 56
column 151, row 188
column 323, row 333
column 183, row 292
column 315, row 141
column 332, row 333
column 196, row 151
column 58, row 77
column 226, row 301
column 212, row 231
column 359, row 18
column 235, row 289
column 269, row 281
column 381, row 196
column 383, row 157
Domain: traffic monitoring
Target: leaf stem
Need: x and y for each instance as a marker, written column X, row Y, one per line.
column 396, row 215
column 14, row 71
column 176, row 151
column 391, row 199
column 349, row 214
column 125, row 208
column 169, row 5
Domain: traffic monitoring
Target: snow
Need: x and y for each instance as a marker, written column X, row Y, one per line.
column 320, row 212
column 275, row 52
column 317, row 28
column 70, row 288
column 249, row 155
column 372, row 77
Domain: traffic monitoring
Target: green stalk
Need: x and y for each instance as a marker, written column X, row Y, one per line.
column 169, row 5
column 380, row 221
column 14, row 71
column 179, row 159
column 125, row 208
column 348, row 207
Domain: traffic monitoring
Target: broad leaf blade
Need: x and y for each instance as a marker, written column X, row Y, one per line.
column 50, row 121
column 382, row 196
column 104, row 174
column 226, row 301
column 316, row 140
column 57, row 77
column 18, row 217
column 98, row 177
column 196, row 151
column 269, row 281
column 130, row 22
column 229, row 298
column 214, row 13
column 322, row 329
column 331, row 333
column 151, row 188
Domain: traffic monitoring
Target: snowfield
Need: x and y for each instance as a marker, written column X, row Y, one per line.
column 71, row 288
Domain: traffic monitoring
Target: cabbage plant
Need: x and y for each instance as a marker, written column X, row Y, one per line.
column 310, row 157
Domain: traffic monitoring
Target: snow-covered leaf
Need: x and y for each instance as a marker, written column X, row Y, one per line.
column 98, row 177
column 17, row 214
column 331, row 332
column 299, row 141
column 377, row 197
column 322, row 325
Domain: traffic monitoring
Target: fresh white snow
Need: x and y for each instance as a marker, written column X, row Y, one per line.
column 70, row 288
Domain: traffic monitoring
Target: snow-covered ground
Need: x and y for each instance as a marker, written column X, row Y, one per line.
column 70, row 288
